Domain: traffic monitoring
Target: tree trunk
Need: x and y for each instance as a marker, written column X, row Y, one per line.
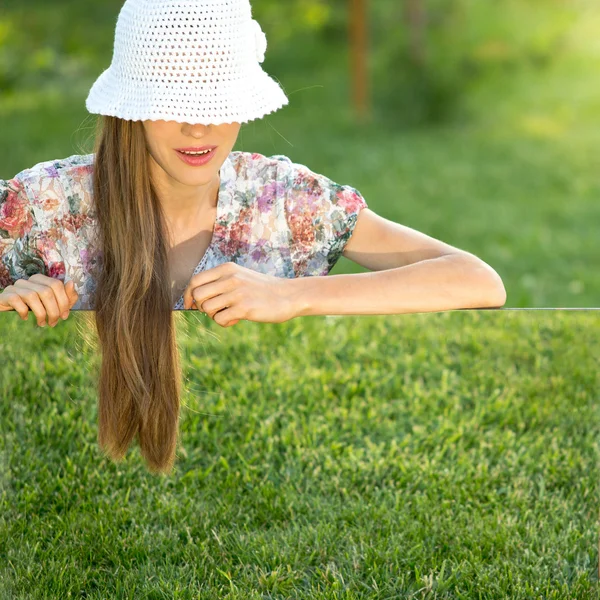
column 415, row 19
column 359, row 51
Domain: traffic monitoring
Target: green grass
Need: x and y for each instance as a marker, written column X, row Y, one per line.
column 446, row 455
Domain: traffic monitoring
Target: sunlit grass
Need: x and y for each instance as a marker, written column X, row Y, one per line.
column 452, row 453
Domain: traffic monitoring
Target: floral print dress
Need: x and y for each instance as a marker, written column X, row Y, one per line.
column 273, row 216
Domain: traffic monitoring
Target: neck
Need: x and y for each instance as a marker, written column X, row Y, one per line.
column 183, row 204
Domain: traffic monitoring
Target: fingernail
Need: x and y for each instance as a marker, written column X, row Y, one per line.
column 65, row 315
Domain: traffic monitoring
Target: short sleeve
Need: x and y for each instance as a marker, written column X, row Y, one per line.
column 321, row 215
column 23, row 247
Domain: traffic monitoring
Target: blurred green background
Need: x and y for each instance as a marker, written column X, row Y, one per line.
column 482, row 128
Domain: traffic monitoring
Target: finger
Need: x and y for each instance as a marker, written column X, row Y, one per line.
column 71, row 292
column 214, row 305
column 65, row 293
column 29, row 295
column 61, row 298
column 41, row 299
column 72, row 297
column 12, row 301
column 208, row 281
column 201, row 294
column 226, row 317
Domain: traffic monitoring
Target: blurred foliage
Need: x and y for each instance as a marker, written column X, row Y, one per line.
column 37, row 49
column 294, row 19
column 466, row 43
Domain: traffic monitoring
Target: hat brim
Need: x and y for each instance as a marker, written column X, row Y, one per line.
column 251, row 97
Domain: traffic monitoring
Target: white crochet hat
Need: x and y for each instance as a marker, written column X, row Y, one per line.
column 190, row 61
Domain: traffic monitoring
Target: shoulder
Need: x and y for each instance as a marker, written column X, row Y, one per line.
column 254, row 165
column 252, row 161
column 58, row 187
column 303, row 189
column 285, row 176
column 60, row 168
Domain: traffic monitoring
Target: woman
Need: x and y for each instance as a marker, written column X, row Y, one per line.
column 146, row 224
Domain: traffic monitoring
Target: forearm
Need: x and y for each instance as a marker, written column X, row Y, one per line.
column 445, row 283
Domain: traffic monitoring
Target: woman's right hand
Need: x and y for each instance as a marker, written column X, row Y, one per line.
column 45, row 296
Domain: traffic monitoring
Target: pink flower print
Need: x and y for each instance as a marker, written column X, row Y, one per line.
column 49, row 203
column 5, row 278
column 51, row 171
column 81, row 174
column 15, row 217
column 91, row 259
column 44, row 256
column 239, row 231
column 260, row 253
column 301, row 225
column 56, row 270
column 81, row 170
column 349, row 199
column 72, row 222
column 84, row 255
column 314, row 188
column 270, row 191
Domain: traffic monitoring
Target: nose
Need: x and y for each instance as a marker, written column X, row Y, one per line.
column 195, row 127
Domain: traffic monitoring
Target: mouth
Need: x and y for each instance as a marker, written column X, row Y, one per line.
column 196, row 159
column 195, row 151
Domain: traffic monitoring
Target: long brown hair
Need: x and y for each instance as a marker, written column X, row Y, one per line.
column 139, row 384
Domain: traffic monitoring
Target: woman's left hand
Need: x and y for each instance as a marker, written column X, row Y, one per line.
column 230, row 292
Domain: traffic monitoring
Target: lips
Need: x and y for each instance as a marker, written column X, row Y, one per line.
column 195, row 149
column 196, row 160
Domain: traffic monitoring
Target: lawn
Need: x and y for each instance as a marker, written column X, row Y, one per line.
column 442, row 455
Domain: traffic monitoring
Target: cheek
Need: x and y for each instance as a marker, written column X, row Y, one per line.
column 157, row 137
column 161, row 151
column 154, row 154
column 160, row 159
column 230, row 131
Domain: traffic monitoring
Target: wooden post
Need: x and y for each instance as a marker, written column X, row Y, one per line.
column 414, row 15
column 358, row 47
